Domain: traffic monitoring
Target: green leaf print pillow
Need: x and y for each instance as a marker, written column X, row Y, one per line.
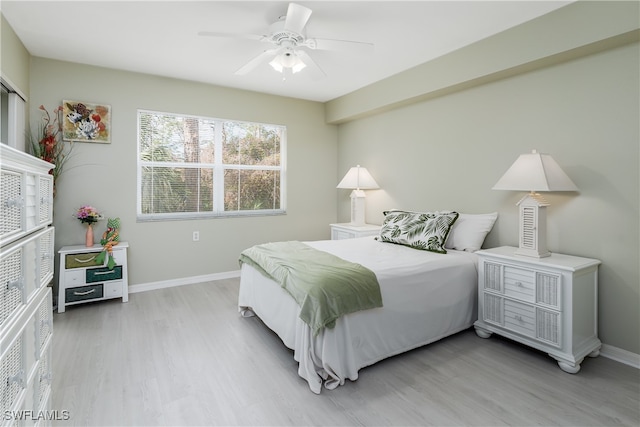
column 420, row 230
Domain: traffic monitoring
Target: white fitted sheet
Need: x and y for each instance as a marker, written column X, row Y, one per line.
column 426, row 296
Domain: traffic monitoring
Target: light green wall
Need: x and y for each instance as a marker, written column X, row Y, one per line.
column 448, row 151
column 104, row 175
column 461, row 136
column 14, row 58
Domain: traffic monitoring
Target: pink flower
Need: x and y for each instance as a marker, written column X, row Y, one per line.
column 88, row 214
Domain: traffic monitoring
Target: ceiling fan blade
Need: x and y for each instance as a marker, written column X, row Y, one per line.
column 314, row 69
column 297, row 17
column 339, row 45
column 265, row 56
column 233, row 36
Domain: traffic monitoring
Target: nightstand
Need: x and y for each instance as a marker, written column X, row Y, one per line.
column 348, row 231
column 82, row 280
column 550, row 303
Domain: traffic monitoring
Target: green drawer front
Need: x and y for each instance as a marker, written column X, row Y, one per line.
column 80, row 260
column 103, row 274
column 82, row 293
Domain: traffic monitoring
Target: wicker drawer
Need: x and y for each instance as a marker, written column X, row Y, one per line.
column 493, row 308
column 103, row 274
column 11, row 203
column 25, row 266
column 43, row 323
column 548, row 289
column 83, row 293
column 12, row 374
column 12, row 290
column 45, row 199
column 549, row 326
column 83, row 260
column 42, row 384
column 45, row 248
column 492, row 276
column 26, row 200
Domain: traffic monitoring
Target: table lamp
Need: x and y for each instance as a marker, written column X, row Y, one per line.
column 534, row 172
column 358, row 179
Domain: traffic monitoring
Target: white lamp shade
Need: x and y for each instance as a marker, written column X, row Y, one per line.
column 535, row 172
column 358, row 178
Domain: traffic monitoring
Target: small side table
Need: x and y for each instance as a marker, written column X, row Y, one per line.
column 349, row 231
column 550, row 304
column 82, row 280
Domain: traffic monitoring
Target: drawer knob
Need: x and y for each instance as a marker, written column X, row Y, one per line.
column 14, row 203
column 18, row 284
column 17, row 378
column 519, row 284
column 519, row 318
column 45, row 378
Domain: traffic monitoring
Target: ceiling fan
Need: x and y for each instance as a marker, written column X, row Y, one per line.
column 289, row 54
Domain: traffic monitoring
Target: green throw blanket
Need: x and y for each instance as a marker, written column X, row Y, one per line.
column 324, row 286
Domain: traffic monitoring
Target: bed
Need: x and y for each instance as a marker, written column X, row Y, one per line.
column 427, row 296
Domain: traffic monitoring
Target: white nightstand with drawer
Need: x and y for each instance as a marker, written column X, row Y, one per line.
column 550, row 303
column 348, row 231
column 82, row 280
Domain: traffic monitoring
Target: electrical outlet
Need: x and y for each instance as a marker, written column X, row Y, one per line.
column 196, row 236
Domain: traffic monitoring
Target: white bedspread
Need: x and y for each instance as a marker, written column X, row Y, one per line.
column 426, row 297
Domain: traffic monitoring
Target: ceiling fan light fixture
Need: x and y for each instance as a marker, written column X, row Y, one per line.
column 277, row 65
column 298, row 67
column 287, row 59
column 290, row 43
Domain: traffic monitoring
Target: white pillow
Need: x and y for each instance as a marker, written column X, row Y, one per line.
column 469, row 231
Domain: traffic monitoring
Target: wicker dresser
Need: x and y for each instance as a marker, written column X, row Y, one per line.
column 550, row 303
column 26, row 268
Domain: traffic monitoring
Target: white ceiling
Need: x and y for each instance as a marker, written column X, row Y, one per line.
column 161, row 37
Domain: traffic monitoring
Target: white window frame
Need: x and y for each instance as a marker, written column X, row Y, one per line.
column 218, row 175
column 14, row 116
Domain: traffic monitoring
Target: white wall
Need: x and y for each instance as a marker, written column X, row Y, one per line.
column 104, row 175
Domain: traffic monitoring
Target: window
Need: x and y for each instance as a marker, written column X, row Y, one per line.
column 12, row 119
column 194, row 167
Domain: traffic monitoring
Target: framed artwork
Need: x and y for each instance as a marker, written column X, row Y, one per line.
column 84, row 122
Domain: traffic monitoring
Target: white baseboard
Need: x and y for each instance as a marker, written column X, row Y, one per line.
column 620, row 355
column 608, row 351
column 143, row 287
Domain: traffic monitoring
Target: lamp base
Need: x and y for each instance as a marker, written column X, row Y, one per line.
column 533, row 226
column 357, row 208
column 532, row 253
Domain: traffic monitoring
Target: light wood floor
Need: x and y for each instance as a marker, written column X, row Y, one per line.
column 183, row 356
